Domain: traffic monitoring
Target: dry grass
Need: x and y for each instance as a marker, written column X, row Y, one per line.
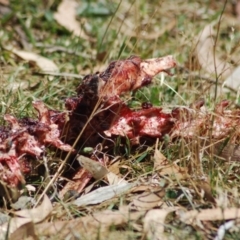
column 120, row 29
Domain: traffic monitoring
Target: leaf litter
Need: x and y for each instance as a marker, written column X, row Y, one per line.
column 43, row 63
column 66, row 16
column 103, row 194
column 148, row 116
column 26, row 216
column 161, row 164
column 148, row 204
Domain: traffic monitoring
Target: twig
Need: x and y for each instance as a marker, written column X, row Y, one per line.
column 52, row 48
column 63, row 74
column 214, row 49
column 199, row 77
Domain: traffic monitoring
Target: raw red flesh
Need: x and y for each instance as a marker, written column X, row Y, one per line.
column 98, row 112
column 98, row 104
column 218, row 124
column 152, row 122
column 131, row 74
column 26, row 138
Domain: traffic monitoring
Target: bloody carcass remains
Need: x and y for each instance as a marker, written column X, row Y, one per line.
column 98, row 112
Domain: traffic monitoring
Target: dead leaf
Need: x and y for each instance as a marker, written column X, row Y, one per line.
column 153, row 223
column 43, row 63
column 8, row 228
column 10, row 194
column 209, row 60
column 162, row 166
column 97, row 170
column 148, row 200
column 159, row 159
column 26, row 231
column 34, row 215
column 237, row 9
column 204, row 186
column 4, row 2
column 89, row 227
column 114, row 168
column 3, row 218
column 13, row 86
column 23, row 202
column 112, row 179
column 103, row 194
column 142, row 188
column 37, row 214
column 114, row 176
column 174, row 171
column 233, row 81
column 66, row 17
column 216, row 214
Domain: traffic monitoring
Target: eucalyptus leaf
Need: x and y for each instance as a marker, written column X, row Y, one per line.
column 103, row 194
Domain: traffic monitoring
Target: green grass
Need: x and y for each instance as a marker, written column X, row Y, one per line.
column 122, row 29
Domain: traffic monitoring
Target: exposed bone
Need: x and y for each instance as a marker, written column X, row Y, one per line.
column 131, row 74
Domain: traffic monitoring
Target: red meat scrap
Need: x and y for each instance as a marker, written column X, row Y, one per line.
column 151, row 122
column 131, row 74
column 97, row 111
column 27, row 137
column 98, row 105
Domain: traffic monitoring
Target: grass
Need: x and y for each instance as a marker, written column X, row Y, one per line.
column 119, row 29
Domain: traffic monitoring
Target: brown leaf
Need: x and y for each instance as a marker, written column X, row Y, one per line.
column 78, row 183
column 37, row 214
column 162, row 166
column 148, row 200
column 159, row 159
column 233, row 80
column 114, row 168
column 237, row 9
column 209, row 60
column 66, row 16
column 43, row 63
column 154, row 223
column 4, row 2
column 26, row 231
column 112, row 179
column 34, row 215
column 104, row 193
column 204, row 185
column 89, row 227
column 113, row 176
column 97, row 170
column 174, row 171
column 142, row 188
column 216, row 214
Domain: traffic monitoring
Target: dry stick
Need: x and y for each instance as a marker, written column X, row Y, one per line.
column 199, row 77
column 214, row 50
column 62, row 74
column 216, row 75
column 108, row 26
column 68, row 155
